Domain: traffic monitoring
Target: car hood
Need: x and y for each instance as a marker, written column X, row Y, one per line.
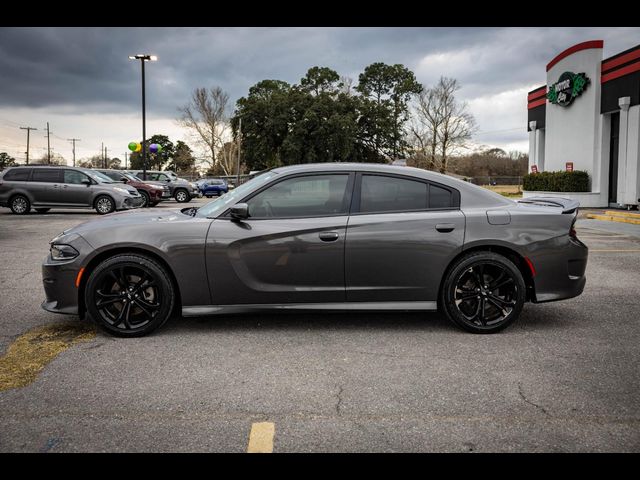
column 138, row 218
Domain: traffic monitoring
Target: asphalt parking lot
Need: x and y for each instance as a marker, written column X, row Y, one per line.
column 564, row 378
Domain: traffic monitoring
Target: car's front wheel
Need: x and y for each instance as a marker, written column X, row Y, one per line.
column 182, row 196
column 483, row 292
column 104, row 204
column 129, row 295
column 145, row 198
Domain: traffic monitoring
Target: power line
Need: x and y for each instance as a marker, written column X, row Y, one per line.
column 28, row 129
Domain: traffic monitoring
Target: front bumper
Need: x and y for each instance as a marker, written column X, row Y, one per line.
column 560, row 270
column 126, row 203
column 58, row 280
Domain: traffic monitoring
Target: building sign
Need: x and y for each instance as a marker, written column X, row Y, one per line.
column 569, row 86
column 569, row 166
column 534, row 169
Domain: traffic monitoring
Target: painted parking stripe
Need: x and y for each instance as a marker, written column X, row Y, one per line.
column 27, row 356
column 632, row 250
column 261, row 437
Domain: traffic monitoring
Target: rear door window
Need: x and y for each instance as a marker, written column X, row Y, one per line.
column 388, row 194
column 17, row 175
column 50, row 175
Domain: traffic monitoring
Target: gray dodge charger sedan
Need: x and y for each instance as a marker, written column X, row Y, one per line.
column 333, row 236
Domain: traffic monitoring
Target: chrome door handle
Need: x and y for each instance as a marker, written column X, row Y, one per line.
column 445, row 227
column 328, row 236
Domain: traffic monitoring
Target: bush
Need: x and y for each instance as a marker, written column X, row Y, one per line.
column 576, row 181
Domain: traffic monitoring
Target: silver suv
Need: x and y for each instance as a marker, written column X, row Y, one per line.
column 47, row 186
column 182, row 190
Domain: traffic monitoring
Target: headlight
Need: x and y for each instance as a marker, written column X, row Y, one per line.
column 121, row 190
column 63, row 252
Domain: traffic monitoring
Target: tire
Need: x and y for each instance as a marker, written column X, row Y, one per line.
column 145, row 198
column 42, row 210
column 153, row 204
column 20, row 205
column 116, row 302
column 474, row 308
column 181, row 195
column 104, row 204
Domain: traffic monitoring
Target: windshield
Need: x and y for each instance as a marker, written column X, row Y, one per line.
column 216, row 207
column 100, row 177
column 132, row 177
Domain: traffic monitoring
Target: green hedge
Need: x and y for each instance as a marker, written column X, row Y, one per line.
column 576, row 181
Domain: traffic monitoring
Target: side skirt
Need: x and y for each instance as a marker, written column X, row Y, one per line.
column 200, row 310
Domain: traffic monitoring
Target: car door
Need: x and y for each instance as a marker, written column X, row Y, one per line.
column 73, row 192
column 290, row 249
column 401, row 236
column 45, row 185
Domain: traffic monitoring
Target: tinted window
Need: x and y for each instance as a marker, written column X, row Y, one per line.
column 383, row 194
column 215, row 182
column 112, row 175
column 73, row 176
column 161, row 176
column 439, row 197
column 302, row 197
column 46, row 175
column 17, row 174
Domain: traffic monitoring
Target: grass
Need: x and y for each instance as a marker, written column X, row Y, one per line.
column 510, row 191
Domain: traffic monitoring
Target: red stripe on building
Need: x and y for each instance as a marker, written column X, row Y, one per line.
column 574, row 49
column 540, row 93
column 627, row 57
column 537, row 103
column 621, row 72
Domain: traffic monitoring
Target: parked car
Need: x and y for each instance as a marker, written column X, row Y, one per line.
column 47, row 186
column 213, row 186
column 182, row 190
column 323, row 237
column 152, row 192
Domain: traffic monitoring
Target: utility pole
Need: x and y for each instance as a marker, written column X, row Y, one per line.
column 125, row 160
column 239, row 147
column 28, row 129
column 73, row 141
column 105, row 158
column 102, row 153
column 48, row 145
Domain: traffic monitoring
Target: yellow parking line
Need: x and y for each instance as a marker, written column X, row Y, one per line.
column 27, row 356
column 261, row 438
column 633, row 250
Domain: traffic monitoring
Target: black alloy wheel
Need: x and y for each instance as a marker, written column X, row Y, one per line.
column 483, row 292
column 129, row 295
column 20, row 205
column 145, row 198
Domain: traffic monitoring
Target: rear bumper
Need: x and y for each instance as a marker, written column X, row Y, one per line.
column 560, row 270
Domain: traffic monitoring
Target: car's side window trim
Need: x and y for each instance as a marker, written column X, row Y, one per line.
column 345, row 205
column 357, row 195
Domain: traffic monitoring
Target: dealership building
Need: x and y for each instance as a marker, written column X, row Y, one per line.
column 587, row 117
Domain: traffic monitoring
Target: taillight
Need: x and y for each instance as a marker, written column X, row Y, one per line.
column 572, row 230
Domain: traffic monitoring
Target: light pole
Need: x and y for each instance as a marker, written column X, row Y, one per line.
column 144, row 58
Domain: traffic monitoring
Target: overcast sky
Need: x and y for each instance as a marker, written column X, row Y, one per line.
column 81, row 81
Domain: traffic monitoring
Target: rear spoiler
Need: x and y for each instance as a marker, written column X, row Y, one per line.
column 567, row 205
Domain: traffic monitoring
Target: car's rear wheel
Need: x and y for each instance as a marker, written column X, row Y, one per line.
column 20, row 205
column 129, row 295
column 483, row 292
column 182, row 196
column 42, row 210
column 104, row 204
column 145, row 198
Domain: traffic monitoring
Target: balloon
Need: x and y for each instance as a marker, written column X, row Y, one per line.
column 132, row 146
column 138, row 147
column 153, row 148
column 159, row 148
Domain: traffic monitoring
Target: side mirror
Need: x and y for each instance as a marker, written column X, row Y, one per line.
column 125, row 180
column 240, row 211
column 86, row 182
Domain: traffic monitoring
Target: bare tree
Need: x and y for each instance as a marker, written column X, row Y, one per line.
column 442, row 125
column 206, row 116
column 347, row 85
